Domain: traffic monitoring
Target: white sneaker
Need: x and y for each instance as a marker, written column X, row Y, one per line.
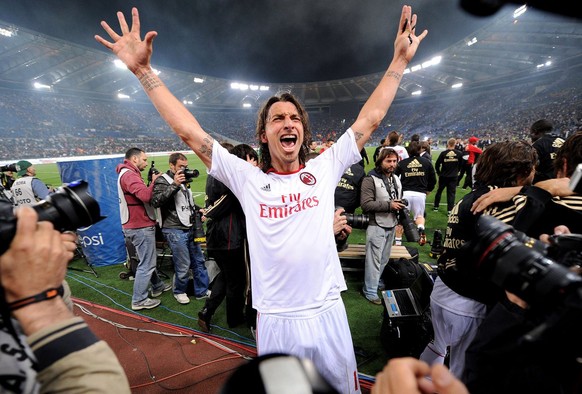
column 148, row 303
column 203, row 296
column 182, row 298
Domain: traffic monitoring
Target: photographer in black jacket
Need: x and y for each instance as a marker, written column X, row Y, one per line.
column 176, row 215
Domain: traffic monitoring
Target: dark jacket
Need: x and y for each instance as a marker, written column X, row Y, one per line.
column 546, row 146
column 347, row 192
column 163, row 198
column 449, row 163
column 416, row 174
column 225, row 225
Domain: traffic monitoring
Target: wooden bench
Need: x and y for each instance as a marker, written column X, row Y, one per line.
column 353, row 257
column 358, row 252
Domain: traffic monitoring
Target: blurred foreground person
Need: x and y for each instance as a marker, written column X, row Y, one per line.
column 45, row 347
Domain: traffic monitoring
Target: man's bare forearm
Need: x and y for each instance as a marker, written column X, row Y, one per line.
column 176, row 115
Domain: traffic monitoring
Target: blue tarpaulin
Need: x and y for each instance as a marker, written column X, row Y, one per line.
column 103, row 242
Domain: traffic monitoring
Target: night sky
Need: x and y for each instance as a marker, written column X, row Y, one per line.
column 257, row 40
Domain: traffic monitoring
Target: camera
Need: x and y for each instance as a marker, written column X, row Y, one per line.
column 9, row 167
column 536, row 272
column 190, row 174
column 68, row 209
column 357, row 221
column 410, row 229
column 151, row 172
column 197, row 226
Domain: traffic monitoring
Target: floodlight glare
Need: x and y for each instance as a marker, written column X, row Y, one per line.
column 38, row 85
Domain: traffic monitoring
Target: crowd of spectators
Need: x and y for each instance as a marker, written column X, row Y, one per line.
column 45, row 125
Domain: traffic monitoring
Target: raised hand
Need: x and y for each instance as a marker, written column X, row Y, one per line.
column 129, row 47
column 407, row 41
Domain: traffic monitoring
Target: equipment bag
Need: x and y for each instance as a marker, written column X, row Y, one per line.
column 404, row 336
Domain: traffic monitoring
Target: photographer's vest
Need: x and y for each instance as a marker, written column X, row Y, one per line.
column 123, row 208
column 22, row 191
column 184, row 206
column 386, row 219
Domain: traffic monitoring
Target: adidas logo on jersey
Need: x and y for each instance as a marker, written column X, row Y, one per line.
column 267, row 187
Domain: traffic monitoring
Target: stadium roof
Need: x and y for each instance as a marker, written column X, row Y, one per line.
column 508, row 47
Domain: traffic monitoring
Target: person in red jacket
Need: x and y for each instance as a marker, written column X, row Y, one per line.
column 139, row 226
column 474, row 152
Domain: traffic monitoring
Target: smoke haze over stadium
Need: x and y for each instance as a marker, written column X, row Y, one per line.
column 259, row 40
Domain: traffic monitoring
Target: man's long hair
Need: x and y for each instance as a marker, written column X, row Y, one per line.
column 504, row 163
column 570, row 153
column 265, row 155
column 384, row 152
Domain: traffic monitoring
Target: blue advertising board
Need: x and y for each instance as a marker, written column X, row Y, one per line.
column 103, row 242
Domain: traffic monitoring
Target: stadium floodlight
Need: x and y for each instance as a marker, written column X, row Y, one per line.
column 198, row 80
column 7, row 32
column 520, row 11
column 416, row 93
column 254, row 87
column 187, row 102
column 457, row 85
column 119, row 64
column 263, row 88
column 246, row 105
column 416, row 68
column 473, row 41
column 239, row 86
column 38, row 85
column 122, row 96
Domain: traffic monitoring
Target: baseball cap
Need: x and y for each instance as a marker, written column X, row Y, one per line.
column 473, row 140
column 23, row 166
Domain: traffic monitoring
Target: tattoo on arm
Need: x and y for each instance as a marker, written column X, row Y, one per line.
column 394, row 75
column 206, row 148
column 357, row 135
column 149, row 81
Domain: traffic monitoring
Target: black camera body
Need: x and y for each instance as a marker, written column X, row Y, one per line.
column 190, row 174
column 68, row 209
column 151, row 172
column 410, row 229
column 536, row 272
column 197, row 226
column 10, row 167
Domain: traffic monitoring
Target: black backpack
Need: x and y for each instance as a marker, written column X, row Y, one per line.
column 404, row 336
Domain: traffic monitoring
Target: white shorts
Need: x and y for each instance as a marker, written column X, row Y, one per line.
column 416, row 203
column 321, row 335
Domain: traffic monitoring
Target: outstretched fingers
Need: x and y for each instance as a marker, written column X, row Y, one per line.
column 135, row 25
column 404, row 18
column 122, row 23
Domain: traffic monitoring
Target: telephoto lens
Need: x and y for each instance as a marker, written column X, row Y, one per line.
column 68, row 209
column 357, row 221
column 410, row 229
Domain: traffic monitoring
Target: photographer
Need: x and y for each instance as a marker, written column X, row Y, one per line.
column 176, row 216
column 28, row 190
column 380, row 199
column 506, row 358
column 45, row 348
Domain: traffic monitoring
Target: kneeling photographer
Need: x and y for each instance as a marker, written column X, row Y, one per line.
column 381, row 200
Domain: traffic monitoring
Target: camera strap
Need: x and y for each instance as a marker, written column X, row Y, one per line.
column 391, row 187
